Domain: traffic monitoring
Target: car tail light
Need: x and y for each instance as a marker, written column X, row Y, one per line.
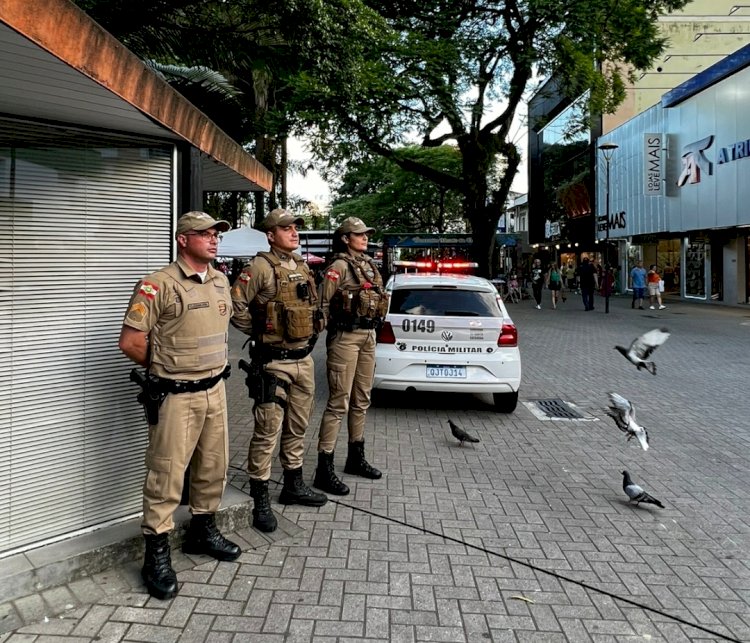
column 508, row 335
column 385, row 334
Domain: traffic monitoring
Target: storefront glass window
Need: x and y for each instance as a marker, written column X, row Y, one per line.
column 635, row 254
column 668, row 261
column 695, row 268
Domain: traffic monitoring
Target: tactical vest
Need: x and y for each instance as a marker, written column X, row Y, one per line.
column 360, row 305
column 288, row 318
column 192, row 344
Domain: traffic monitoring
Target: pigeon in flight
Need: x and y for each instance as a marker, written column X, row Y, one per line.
column 461, row 435
column 642, row 347
column 636, row 493
column 623, row 413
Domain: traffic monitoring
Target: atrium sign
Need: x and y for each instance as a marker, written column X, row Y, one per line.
column 736, row 151
column 694, row 161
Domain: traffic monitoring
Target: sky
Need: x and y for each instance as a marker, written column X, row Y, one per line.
column 313, row 188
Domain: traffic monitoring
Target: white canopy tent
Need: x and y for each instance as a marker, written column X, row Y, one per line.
column 242, row 243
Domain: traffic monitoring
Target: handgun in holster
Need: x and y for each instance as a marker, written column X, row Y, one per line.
column 261, row 385
column 150, row 397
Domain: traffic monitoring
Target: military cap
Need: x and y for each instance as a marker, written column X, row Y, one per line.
column 200, row 221
column 353, row 224
column 281, row 217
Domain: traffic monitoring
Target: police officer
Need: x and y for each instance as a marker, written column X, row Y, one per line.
column 176, row 327
column 275, row 303
column 354, row 303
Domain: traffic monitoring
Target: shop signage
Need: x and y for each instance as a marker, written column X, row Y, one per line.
column 736, row 151
column 616, row 220
column 694, row 161
column 653, row 168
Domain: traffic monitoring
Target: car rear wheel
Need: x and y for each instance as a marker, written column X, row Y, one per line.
column 505, row 402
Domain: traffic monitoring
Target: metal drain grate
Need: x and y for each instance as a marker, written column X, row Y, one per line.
column 556, row 408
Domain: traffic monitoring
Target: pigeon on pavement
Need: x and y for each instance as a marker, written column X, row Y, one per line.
column 623, row 413
column 461, row 435
column 642, row 347
column 636, row 493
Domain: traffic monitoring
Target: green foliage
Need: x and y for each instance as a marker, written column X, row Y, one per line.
column 391, row 199
column 368, row 77
column 439, row 71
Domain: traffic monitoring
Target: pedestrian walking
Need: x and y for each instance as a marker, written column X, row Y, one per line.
column 638, row 284
column 570, row 277
column 176, row 327
column 537, row 282
column 354, row 303
column 554, row 284
column 655, row 285
column 587, row 283
column 275, row 303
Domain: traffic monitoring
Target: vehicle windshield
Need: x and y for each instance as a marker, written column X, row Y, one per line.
column 444, row 302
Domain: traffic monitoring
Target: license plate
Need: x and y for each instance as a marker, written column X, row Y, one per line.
column 448, row 372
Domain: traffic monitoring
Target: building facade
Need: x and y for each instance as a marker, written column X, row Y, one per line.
column 679, row 188
column 563, row 162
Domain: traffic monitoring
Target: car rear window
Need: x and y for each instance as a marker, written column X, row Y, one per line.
column 444, row 302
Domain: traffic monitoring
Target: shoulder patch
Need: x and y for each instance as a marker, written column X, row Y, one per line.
column 333, row 275
column 148, row 289
column 245, row 277
column 137, row 312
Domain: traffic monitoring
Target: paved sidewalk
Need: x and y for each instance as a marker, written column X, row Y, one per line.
column 546, row 493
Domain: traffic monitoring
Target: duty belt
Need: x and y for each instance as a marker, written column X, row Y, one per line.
column 357, row 322
column 269, row 352
column 166, row 385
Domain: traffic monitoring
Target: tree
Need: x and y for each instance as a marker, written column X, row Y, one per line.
column 388, row 197
column 456, row 71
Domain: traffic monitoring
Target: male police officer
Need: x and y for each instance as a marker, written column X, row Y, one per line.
column 176, row 326
column 354, row 302
column 275, row 303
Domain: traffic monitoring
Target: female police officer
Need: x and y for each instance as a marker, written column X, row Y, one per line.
column 354, row 303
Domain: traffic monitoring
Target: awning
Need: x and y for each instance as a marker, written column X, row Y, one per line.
column 61, row 66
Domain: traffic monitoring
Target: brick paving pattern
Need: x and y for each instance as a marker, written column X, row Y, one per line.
column 548, row 493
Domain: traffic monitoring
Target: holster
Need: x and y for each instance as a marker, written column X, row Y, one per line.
column 150, row 397
column 261, row 385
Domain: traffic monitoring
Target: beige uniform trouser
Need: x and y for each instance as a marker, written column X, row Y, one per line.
column 351, row 369
column 192, row 430
column 270, row 419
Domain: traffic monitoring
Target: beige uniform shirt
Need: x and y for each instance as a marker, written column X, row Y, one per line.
column 187, row 321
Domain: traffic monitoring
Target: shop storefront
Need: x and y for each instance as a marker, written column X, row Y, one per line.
column 678, row 186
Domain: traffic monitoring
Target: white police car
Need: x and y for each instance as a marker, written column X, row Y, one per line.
column 448, row 332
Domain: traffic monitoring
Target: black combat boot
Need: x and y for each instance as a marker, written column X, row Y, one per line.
column 326, row 478
column 356, row 464
column 204, row 537
column 157, row 572
column 263, row 517
column 296, row 492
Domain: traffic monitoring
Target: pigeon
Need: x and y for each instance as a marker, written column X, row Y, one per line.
column 623, row 413
column 636, row 493
column 461, row 435
column 643, row 346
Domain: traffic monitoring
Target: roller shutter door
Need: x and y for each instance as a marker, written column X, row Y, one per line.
column 82, row 218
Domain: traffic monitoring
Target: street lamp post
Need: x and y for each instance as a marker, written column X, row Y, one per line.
column 608, row 149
